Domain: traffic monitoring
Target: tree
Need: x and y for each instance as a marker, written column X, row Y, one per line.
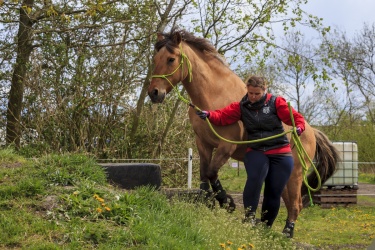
column 168, row 14
column 24, row 49
column 353, row 62
column 60, row 43
column 84, row 86
column 296, row 67
column 243, row 31
column 293, row 71
column 34, row 18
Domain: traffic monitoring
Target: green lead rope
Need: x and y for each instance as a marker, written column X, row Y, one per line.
column 301, row 152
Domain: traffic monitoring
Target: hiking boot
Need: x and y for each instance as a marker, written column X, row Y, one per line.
column 250, row 218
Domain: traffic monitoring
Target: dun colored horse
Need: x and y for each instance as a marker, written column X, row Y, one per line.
column 193, row 61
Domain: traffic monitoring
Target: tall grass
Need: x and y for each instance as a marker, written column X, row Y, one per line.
column 65, row 202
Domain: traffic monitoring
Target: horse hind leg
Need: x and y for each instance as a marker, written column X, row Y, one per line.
column 288, row 230
column 292, row 199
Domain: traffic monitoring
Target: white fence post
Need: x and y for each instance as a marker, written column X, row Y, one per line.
column 190, row 167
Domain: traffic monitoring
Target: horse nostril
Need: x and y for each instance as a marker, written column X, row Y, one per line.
column 156, row 95
column 155, row 92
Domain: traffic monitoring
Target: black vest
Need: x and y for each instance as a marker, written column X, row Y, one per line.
column 262, row 122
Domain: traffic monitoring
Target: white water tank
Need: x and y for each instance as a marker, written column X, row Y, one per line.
column 347, row 168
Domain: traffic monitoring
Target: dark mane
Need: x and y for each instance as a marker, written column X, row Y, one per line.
column 201, row 44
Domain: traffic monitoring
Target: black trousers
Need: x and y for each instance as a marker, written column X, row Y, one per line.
column 272, row 170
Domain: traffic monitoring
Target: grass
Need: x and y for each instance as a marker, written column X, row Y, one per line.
column 335, row 228
column 366, row 178
column 65, row 202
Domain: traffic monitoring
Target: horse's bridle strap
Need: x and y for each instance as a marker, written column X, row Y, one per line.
column 183, row 55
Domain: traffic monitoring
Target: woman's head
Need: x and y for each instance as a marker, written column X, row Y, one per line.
column 257, row 81
column 256, row 88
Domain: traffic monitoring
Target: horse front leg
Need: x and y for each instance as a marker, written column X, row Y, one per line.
column 205, row 156
column 221, row 156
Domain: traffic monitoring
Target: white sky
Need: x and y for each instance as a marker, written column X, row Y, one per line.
column 346, row 15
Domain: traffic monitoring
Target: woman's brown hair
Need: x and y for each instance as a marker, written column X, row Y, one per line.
column 257, row 81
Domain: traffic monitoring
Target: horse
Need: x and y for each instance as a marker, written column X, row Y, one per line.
column 181, row 57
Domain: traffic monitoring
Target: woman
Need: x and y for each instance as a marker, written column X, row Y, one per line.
column 270, row 161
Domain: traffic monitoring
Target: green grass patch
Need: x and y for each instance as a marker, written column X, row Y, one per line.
column 8, row 155
column 368, row 200
column 233, row 179
column 336, row 228
column 65, row 202
column 366, row 178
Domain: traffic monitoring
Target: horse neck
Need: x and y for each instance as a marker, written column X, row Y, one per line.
column 213, row 84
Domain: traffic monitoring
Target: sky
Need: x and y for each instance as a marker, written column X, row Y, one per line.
column 346, row 15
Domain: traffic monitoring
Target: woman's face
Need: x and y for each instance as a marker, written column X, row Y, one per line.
column 254, row 93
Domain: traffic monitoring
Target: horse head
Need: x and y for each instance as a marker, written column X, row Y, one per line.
column 171, row 66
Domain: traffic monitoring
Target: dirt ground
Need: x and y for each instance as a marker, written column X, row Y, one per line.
column 366, row 189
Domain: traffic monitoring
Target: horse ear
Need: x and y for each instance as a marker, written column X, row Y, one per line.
column 177, row 38
column 160, row 36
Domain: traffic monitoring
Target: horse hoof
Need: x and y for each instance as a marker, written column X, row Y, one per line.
column 231, row 204
column 207, row 198
column 228, row 203
column 289, row 229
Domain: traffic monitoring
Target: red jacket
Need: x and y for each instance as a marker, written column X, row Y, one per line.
column 232, row 113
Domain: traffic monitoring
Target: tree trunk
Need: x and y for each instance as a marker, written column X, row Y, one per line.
column 24, row 48
column 157, row 150
column 137, row 114
column 140, row 103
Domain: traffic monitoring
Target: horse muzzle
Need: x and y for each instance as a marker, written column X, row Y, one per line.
column 156, row 95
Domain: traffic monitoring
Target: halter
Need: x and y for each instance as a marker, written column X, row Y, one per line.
column 190, row 71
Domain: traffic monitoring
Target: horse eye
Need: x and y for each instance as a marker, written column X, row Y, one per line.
column 171, row 60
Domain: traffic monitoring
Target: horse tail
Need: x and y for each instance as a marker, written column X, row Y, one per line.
column 326, row 157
